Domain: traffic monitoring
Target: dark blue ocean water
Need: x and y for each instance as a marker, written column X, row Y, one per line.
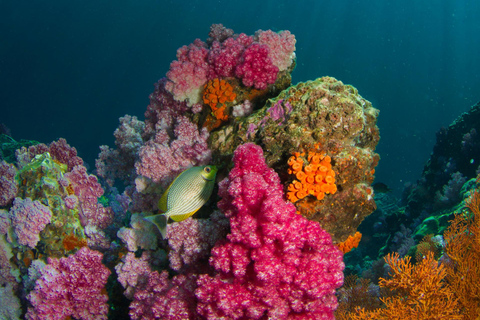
column 72, row 68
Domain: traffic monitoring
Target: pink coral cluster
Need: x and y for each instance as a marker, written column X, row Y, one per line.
column 28, row 219
column 132, row 272
column 254, row 60
column 256, row 68
column 8, row 186
column 71, row 287
column 192, row 240
column 224, row 56
column 163, row 158
column 274, row 262
column 88, row 190
column 161, row 298
column 189, row 72
column 118, row 163
column 281, row 45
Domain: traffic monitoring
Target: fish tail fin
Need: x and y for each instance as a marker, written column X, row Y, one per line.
column 160, row 220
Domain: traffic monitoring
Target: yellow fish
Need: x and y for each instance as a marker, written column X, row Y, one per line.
column 185, row 195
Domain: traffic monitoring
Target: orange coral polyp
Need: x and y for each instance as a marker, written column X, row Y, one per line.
column 301, row 194
column 310, row 179
column 297, row 185
column 329, row 179
column 308, row 169
column 301, row 175
column 218, row 92
column 323, row 168
column 316, row 178
column 297, row 166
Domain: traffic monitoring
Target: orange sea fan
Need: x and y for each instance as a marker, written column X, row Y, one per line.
column 419, row 292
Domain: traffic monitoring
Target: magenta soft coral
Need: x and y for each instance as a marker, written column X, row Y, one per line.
column 72, row 286
column 274, row 263
column 256, row 68
column 224, row 56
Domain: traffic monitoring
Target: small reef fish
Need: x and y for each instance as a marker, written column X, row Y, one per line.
column 185, row 195
column 380, row 187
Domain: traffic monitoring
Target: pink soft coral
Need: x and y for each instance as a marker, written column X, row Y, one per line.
column 8, row 186
column 72, row 286
column 274, row 263
column 161, row 298
column 281, row 47
column 29, row 218
column 188, row 73
column 256, row 68
column 88, row 190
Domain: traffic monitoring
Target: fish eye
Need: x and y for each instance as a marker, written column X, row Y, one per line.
column 207, row 169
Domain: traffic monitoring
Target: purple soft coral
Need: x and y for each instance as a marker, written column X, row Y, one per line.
column 88, row 190
column 29, row 218
column 161, row 298
column 275, row 263
column 8, row 186
column 72, row 286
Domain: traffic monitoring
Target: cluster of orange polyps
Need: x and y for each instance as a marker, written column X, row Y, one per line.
column 315, row 178
column 350, row 243
column 217, row 92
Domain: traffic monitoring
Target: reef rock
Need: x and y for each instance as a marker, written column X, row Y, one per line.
column 323, row 117
column 455, row 159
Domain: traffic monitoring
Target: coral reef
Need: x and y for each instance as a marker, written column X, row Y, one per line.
column 269, row 242
column 255, row 60
column 325, row 117
column 455, row 156
column 442, row 284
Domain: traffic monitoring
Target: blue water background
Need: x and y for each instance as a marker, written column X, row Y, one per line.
column 72, row 68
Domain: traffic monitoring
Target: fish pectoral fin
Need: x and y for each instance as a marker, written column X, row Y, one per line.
column 181, row 217
column 160, row 220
